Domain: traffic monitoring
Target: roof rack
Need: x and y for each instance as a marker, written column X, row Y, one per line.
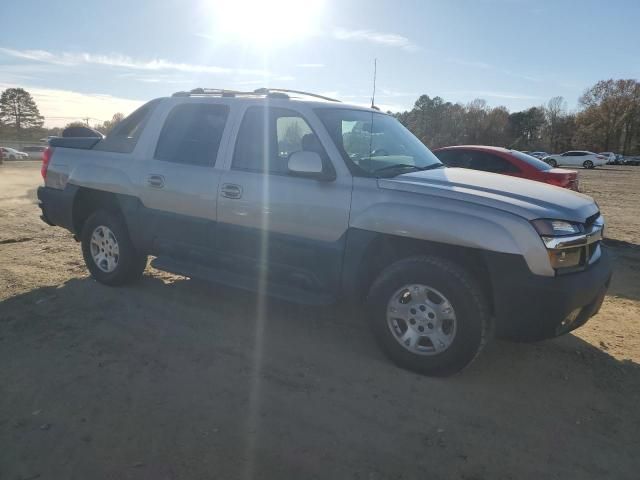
column 281, row 93
column 298, row 92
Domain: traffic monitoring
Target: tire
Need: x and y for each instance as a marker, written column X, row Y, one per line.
column 12, row 157
column 456, row 288
column 125, row 264
column 588, row 164
column 553, row 163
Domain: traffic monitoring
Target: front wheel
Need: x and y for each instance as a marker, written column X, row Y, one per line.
column 553, row 163
column 588, row 164
column 108, row 251
column 429, row 315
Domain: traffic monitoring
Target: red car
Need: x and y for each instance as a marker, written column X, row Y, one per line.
column 506, row 162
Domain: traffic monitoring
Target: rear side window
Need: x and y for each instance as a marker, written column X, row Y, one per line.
column 267, row 138
column 192, row 134
column 475, row 160
column 124, row 137
column 533, row 161
column 491, row 163
column 454, row 158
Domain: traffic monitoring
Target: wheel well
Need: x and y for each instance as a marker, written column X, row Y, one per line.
column 387, row 249
column 88, row 201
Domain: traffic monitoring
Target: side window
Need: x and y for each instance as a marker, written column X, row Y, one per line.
column 267, row 138
column 444, row 156
column 290, row 132
column 454, row 158
column 491, row 163
column 192, row 134
column 124, row 137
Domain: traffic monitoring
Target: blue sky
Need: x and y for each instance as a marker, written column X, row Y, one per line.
column 84, row 58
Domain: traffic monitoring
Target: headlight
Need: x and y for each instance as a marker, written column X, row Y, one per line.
column 555, row 228
column 564, row 242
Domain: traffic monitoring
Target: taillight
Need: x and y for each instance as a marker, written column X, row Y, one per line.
column 561, row 181
column 46, row 158
column 557, row 181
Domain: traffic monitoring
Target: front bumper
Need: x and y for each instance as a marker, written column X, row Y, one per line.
column 533, row 307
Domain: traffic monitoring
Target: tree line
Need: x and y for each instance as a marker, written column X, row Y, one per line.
column 607, row 119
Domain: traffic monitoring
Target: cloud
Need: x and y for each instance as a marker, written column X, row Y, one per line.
column 494, row 94
column 487, row 66
column 522, row 76
column 380, row 38
column 385, row 107
column 386, row 93
column 123, row 61
column 165, row 78
column 470, row 63
column 310, row 65
column 60, row 107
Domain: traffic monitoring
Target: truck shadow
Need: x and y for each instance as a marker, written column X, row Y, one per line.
column 187, row 305
column 166, row 353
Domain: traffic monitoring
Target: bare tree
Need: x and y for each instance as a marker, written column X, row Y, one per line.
column 554, row 113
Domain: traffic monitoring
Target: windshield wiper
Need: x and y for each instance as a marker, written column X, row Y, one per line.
column 405, row 166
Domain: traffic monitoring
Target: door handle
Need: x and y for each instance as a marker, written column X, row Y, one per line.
column 231, row 190
column 156, row 181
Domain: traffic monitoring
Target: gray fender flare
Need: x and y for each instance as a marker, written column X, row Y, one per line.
column 476, row 227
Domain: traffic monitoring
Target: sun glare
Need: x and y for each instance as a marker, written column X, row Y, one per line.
column 265, row 23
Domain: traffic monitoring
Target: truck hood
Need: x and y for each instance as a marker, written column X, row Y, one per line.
column 525, row 198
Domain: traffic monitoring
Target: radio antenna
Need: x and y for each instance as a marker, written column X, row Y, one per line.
column 373, row 105
column 375, row 71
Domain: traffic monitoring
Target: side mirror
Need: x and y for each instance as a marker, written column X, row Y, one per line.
column 307, row 164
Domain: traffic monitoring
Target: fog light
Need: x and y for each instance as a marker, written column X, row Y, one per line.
column 566, row 257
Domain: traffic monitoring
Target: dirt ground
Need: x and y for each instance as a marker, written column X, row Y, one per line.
column 175, row 379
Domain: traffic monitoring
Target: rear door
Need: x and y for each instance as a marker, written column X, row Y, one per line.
column 572, row 158
column 289, row 230
column 178, row 181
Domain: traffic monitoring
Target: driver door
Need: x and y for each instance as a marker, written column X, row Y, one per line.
column 286, row 229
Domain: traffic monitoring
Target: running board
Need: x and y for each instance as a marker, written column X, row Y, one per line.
column 224, row 277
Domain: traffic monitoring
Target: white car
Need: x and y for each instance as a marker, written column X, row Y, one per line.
column 13, row 154
column 610, row 157
column 577, row 157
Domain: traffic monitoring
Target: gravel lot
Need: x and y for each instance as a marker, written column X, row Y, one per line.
column 172, row 379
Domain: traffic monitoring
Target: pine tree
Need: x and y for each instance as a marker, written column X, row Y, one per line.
column 19, row 111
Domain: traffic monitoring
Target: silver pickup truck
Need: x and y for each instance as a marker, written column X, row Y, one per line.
column 313, row 201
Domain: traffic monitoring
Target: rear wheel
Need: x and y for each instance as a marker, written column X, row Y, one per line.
column 108, row 251
column 588, row 164
column 428, row 315
column 553, row 163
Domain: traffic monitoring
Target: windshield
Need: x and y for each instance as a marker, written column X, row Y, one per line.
column 372, row 143
column 533, row 161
